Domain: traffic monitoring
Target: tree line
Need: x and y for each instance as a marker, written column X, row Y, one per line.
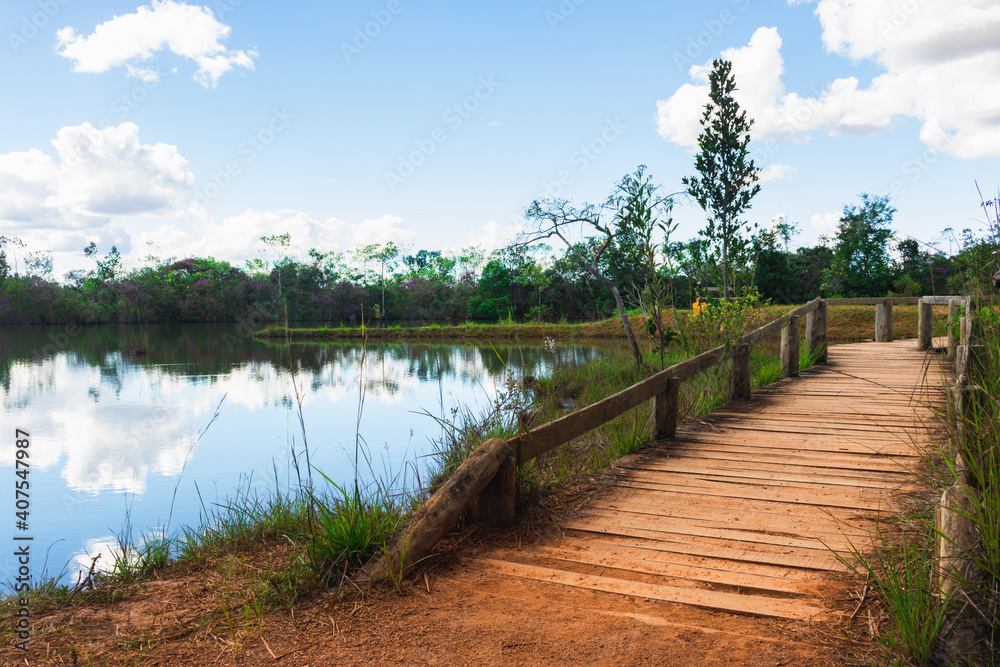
column 624, row 259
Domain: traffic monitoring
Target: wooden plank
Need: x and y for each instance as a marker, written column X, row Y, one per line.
column 734, row 518
column 650, row 551
column 754, row 605
column 751, row 531
column 763, row 552
column 829, row 448
column 736, row 451
column 627, row 563
column 722, row 482
column 723, row 473
column 796, row 496
column 730, row 554
column 858, row 520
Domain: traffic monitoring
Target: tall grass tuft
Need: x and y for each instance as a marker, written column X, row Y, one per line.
column 900, row 570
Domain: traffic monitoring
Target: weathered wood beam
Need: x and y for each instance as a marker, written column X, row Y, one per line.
column 925, row 327
column 790, row 348
column 666, row 407
column 739, row 374
column 440, row 512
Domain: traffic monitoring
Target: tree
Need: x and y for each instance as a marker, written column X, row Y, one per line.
column 39, row 264
column 636, row 212
column 14, row 242
column 861, row 254
column 554, row 217
column 279, row 244
column 383, row 253
column 642, row 214
column 728, row 178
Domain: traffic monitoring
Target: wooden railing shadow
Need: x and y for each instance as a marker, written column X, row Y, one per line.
column 483, row 486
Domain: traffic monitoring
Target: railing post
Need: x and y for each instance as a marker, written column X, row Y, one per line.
column 952, row 325
column 883, row 322
column 739, row 374
column 665, row 410
column 790, row 347
column 816, row 331
column 926, row 324
column 495, row 503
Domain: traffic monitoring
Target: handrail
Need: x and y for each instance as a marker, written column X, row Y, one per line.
column 484, row 483
column 549, row 436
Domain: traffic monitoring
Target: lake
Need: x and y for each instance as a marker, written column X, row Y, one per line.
column 115, row 433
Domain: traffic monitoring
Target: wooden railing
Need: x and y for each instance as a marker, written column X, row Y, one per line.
column 484, row 485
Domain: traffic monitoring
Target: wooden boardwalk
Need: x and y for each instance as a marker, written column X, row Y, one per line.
column 748, row 508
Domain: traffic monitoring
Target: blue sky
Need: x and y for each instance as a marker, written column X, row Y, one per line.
column 200, row 127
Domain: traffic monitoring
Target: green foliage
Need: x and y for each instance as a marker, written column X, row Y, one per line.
column 900, row 571
column 350, row 527
column 861, row 264
column 728, row 178
column 722, row 323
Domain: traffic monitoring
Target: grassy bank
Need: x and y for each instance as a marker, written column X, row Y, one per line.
column 846, row 324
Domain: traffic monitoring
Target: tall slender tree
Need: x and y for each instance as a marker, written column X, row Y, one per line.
column 728, row 177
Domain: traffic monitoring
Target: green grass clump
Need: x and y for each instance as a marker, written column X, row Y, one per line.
column 900, row 571
column 350, row 527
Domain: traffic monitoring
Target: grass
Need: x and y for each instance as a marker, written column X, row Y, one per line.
column 899, row 571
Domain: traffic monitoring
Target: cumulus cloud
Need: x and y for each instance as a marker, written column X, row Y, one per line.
column 110, row 172
column 97, row 175
column 188, row 31
column 776, row 172
column 491, row 236
column 382, row 230
column 940, row 62
column 237, row 238
column 825, row 224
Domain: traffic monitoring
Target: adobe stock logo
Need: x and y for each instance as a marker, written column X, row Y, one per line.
column 454, row 116
column 363, row 35
column 30, row 25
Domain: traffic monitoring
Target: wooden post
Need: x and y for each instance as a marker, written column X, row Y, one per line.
column 952, row 325
column 881, row 323
column 739, row 374
column 957, row 577
column 665, row 409
column 439, row 513
column 926, row 324
column 790, row 348
column 495, row 503
column 816, row 331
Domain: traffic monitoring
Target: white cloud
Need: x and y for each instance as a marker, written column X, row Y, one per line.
column 110, row 172
column 188, row 31
column 237, row 238
column 27, row 179
column 825, row 224
column 492, row 237
column 776, row 172
column 382, row 230
column 940, row 62
column 98, row 182
column 99, row 174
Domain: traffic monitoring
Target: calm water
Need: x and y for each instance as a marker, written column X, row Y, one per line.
column 115, row 433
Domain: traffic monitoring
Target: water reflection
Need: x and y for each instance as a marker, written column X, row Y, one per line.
column 106, row 421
